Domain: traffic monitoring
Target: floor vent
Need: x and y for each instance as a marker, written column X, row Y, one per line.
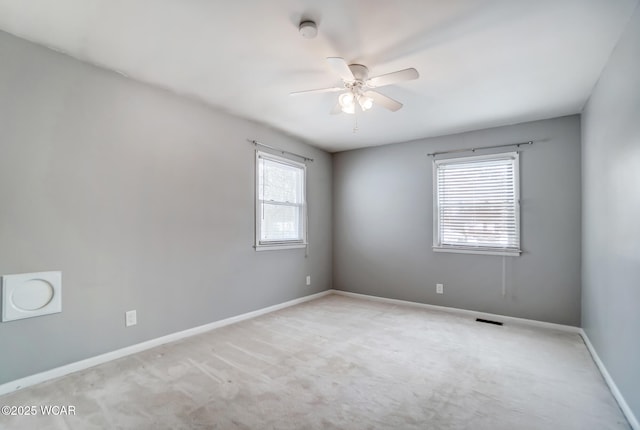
column 482, row 320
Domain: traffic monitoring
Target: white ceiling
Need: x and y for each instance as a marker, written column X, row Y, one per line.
column 482, row 63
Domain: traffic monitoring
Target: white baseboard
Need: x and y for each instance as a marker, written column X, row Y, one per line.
column 123, row 352
column 502, row 318
column 626, row 410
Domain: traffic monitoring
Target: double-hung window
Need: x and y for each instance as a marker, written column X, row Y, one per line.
column 280, row 203
column 476, row 204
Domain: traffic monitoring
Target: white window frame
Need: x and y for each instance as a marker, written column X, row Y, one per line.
column 438, row 246
column 261, row 245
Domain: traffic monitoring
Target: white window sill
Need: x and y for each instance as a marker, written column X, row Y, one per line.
column 508, row 253
column 276, row 247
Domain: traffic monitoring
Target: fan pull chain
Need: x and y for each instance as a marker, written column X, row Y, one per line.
column 355, row 122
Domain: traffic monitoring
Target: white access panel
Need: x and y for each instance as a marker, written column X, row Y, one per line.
column 31, row 295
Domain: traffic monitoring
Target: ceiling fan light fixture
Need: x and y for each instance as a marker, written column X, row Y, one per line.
column 349, row 109
column 347, row 102
column 366, row 102
column 345, row 99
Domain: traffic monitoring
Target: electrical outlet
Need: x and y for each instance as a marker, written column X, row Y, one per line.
column 308, row 279
column 440, row 288
column 130, row 318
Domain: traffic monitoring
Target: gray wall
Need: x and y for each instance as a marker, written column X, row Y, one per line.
column 143, row 199
column 383, row 218
column 611, row 216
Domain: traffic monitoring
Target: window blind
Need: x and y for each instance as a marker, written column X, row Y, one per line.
column 476, row 204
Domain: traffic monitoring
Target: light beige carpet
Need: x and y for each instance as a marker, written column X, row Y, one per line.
column 340, row 363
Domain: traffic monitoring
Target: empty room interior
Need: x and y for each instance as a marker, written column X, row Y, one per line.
column 320, row 215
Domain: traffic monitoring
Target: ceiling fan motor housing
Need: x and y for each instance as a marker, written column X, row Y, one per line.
column 360, row 72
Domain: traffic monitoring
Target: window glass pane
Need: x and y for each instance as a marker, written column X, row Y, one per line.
column 280, row 182
column 280, row 205
column 281, row 222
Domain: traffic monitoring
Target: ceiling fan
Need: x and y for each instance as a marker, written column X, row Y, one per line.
column 358, row 88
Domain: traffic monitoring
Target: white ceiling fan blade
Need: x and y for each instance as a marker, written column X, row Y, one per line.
column 341, row 68
column 384, row 101
column 393, row 78
column 319, row 90
column 337, row 109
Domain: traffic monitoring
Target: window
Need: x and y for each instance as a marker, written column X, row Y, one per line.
column 476, row 205
column 280, row 203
